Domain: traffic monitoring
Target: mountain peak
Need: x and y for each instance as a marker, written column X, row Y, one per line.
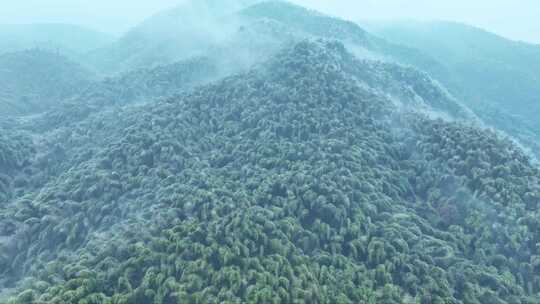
column 309, row 21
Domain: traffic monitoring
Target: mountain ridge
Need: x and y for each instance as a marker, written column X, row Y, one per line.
column 481, row 70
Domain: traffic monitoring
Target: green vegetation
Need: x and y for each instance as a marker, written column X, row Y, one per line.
column 135, row 87
column 35, row 80
column 305, row 22
column 296, row 182
column 15, row 153
column 231, row 169
column 495, row 77
column 196, row 28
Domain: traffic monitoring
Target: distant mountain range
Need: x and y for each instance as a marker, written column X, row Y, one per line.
column 495, row 77
column 65, row 38
column 175, row 35
column 35, row 80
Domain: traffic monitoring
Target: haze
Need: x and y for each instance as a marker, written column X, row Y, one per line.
column 515, row 19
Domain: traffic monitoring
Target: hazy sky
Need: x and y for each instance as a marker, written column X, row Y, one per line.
column 517, row 19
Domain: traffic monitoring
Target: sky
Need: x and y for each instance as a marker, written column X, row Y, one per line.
column 515, row 19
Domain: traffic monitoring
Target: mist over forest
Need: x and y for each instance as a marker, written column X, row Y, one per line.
column 249, row 151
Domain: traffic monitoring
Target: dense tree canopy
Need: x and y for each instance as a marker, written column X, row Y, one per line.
column 295, row 158
column 36, row 80
column 290, row 183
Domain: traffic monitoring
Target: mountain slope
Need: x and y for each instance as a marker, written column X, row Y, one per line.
column 495, row 77
column 176, row 34
column 475, row 55
column 139, row 86
column 15, row 153
column 34, row 80
column 311, row 23
column 69, row 39
column 406, row 86
column 298, row 181
column 192, row 28
column 255, row 32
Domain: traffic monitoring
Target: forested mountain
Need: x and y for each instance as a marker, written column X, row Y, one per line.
column 307, row 22
column 296, row 158
column 197, row 26
column 67, row 38
column 35, row 80
column 294, row 181
column 496, row 77
column 138, row 86
column 175, row 34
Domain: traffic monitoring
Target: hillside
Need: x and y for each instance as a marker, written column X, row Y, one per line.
column 138, row 86
column 195, row 27
column 297, row 181
column 35, row 80
column 69, row 39
column 495, row 77
column 15, row 152
column 311, row 23
column 176, row 34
